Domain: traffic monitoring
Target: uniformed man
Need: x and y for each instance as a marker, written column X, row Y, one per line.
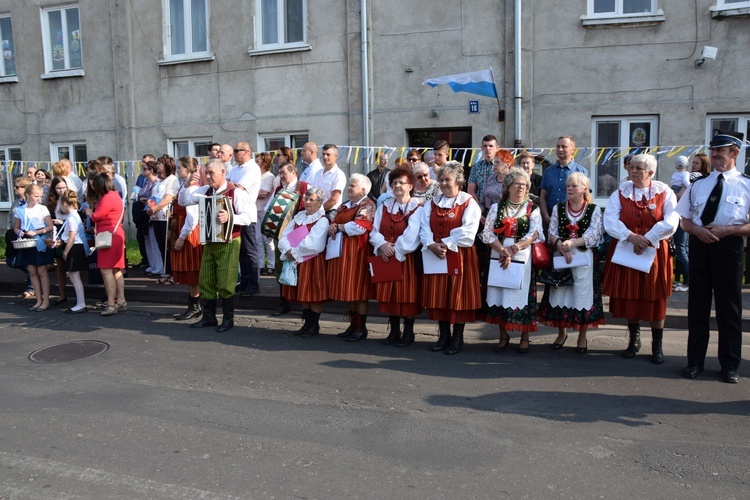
column 715, row 215
column 220, row 261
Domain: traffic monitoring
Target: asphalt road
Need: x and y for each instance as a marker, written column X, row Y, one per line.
column 170, row 412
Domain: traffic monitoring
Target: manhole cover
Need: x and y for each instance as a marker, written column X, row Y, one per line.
column 69, row 351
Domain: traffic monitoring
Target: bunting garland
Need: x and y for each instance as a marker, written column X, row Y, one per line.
column 365, row 156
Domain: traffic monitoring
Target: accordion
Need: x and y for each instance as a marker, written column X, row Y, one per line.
column 211, row 231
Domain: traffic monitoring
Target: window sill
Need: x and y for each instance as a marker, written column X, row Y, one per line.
column 279, row 49
column 719, row 12
column 169, row 61
column 63, row 74
column 623, row 21
column 9, row 79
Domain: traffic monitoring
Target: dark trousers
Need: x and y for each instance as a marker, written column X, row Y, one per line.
column 249, row 260
column 715, row 269
column 140, row 236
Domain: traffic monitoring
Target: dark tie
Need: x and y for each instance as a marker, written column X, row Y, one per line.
column 709, row 213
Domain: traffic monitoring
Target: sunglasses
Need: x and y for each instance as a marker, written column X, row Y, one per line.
column 238, row 150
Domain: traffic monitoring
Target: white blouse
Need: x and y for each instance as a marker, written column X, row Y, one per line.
column 408, row 242
column 313, row 243
column 461, row 236
column 661, row 230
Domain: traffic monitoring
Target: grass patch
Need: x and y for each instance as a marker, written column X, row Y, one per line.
column 132, row 254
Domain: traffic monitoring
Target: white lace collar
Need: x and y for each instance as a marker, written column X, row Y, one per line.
column 393, row 207
column 303, row 218
column 656, row 187
column 444, row 202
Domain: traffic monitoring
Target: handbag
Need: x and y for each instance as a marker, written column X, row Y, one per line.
column 288, row 274
column 556, row 277
column 103, row 239
column 540, row 257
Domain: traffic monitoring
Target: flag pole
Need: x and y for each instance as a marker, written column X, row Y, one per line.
column 499, row 104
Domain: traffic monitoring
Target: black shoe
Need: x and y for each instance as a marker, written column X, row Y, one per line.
column 250, row 293
column 193, row 310
column 557, row 346
column 692, row 371
column 583, row 350
column 61, row 300
column 445, row 336
column 311, row 331
column 394, row 335
column 634, row 345
column 282, row 310
column 350, row 329
column 226, row 325
column 730, row 376
column 524, row 350
column 503, row 347
column 359, row 333
column 457, row 340
column 407, row 337
column 205, row 321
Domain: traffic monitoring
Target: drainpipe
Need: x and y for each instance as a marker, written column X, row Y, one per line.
column 517, row 99
column 365, row 78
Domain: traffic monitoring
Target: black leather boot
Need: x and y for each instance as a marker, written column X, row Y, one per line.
column 394, row 335
column 314, row 327
column 407, row 338
column 445, row 336
column 193, row 310
column 306, row 325
column 360, row 329
column 227, row 309
column 657, row 356
column 457, row 341
column 209, row 315
column 352, row 323
column 634, row 345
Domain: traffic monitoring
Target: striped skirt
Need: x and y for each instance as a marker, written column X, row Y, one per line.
column 454, row 298
column 401, row 298
column 348, row 275
column 311, row 282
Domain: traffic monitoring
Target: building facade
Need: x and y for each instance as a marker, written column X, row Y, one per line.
column 129, row 77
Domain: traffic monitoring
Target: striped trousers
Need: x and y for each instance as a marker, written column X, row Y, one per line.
column 219, row 267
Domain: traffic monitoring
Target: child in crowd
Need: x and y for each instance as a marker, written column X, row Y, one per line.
column 33, row 220
column 75, row 250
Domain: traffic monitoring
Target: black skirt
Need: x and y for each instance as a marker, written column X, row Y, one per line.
column 76, row 260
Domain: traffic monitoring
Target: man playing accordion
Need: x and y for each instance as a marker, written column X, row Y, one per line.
column 220, row 262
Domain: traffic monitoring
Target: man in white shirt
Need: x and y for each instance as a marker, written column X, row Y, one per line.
column 331, row 179
column 226, row 154
column 71, row 178
column 247, row 176
column 220, row 261
column 311, row 163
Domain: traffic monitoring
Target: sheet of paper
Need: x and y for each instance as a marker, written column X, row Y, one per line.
column 578, row 260
column 432, row 264
column 333, row 246
column 511, row 277
column 625, row 255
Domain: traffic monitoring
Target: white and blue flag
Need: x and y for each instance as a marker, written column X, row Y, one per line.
column 477, row 82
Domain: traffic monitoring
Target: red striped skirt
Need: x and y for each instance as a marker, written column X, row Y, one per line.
column 186, row 264
column 348, row 275
column 454, row 298
column 637, row 295
column 401, row 298
column 311, row 282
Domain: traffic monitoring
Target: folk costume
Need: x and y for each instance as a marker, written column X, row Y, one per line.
column 513, row 309
column 579, row 305
column 398, row 224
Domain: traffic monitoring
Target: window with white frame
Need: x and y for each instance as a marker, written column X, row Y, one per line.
column 186, row 29
column 612, row 136
column 732, row 4
column 611, row 8
column 281, row 24
column 732, row 123
column 197, row 147
column 8, row 61
column 73, row 151
column 272, row 142
column 8, row 172
column 61, row 40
